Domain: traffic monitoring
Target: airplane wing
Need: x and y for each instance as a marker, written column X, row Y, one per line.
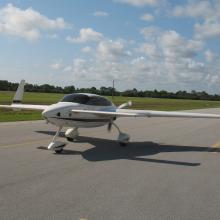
column 175, row 114
column 147, row 113
column 25, row 107
column 106, row 113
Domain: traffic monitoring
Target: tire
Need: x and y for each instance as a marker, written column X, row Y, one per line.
column 122, row 144
column 59, row 151
column 70, row 139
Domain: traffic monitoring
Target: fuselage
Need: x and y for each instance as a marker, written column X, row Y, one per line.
column 60, row 114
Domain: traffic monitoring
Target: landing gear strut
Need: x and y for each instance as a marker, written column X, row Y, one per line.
column 57, row 146
column 123, row 138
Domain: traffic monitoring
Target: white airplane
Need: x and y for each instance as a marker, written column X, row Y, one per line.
column 84, row 110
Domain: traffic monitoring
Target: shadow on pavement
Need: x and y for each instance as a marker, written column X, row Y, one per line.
column 105, row 150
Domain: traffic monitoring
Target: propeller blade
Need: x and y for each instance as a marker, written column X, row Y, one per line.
column 109, row 126
column 127, row 104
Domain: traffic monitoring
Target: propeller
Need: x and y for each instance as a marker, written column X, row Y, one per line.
column 127, row 104
column 109, row 126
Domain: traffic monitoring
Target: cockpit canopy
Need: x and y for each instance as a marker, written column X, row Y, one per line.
column 87, row 99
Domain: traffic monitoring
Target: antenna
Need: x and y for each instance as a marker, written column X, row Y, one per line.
column 113, row 88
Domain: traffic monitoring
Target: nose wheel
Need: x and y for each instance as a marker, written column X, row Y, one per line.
column 55, row 145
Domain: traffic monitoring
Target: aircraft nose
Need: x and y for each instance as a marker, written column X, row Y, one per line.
column 46, row 113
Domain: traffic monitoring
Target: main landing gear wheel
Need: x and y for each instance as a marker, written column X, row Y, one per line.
column 70, row 139
column 122, row 144
column 123, row 139
column 71, row 134
column 59, row 151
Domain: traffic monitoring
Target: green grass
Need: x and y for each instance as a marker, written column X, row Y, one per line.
column 138, row 103
column 31, row 97
column 166, row 104
column 10, row 115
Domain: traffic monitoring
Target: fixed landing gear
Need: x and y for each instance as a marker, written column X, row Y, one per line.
column 59, row 151
column 122, row 144
column 71, row 134
column 70, row 139
column 123, row 138
column 56, row 146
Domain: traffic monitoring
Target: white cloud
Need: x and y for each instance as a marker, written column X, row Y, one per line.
column 150, row 32
column 179, row 58
column 168, row 61
column 147, row 17
column 209, row 14
column 175, row 46
column 165, row 60
column 209, row 29
column 86, row 49
column 140, row 3
column 57, row 65
column 78, row 62
column 28, row 24
column 209, row 55
column 193, row 9
column 100, row 14
column 52, row 36
column 111, row 50
column 67, row 68
column 149, row 50
column 170, row 58
column 86, row 34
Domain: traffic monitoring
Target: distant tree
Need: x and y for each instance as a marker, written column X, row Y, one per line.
column 107, row 91
column 69, row 89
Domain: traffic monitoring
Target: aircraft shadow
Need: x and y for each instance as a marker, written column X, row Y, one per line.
column 105, row 150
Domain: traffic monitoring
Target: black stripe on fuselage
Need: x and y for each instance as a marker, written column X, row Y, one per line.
column 85, row 119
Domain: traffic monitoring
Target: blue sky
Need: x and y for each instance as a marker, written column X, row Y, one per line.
column 147, row 44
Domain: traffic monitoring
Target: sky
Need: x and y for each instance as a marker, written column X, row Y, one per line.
column 143, row 44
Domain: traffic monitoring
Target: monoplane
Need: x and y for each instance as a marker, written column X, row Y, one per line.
column 85, row 110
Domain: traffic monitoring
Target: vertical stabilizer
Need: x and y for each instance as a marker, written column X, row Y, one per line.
column 19, row 93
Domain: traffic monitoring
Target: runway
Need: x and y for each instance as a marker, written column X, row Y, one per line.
column 170, row 170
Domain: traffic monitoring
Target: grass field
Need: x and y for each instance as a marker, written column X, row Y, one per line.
column 138, row 103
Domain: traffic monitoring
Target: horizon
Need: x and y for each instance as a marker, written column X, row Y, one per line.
column 142, row 44
column 116, row 90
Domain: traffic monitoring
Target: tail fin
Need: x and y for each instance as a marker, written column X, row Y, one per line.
column 19, row 93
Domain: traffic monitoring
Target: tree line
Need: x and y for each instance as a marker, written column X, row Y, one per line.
column 108, row 91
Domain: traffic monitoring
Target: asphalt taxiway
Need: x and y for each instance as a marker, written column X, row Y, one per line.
column 170, row 170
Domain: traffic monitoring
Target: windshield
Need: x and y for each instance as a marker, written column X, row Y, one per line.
column 87, row 100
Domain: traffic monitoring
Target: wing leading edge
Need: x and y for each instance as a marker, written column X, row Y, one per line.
column 106, row 113
column 175, row 114
column 147, row 113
